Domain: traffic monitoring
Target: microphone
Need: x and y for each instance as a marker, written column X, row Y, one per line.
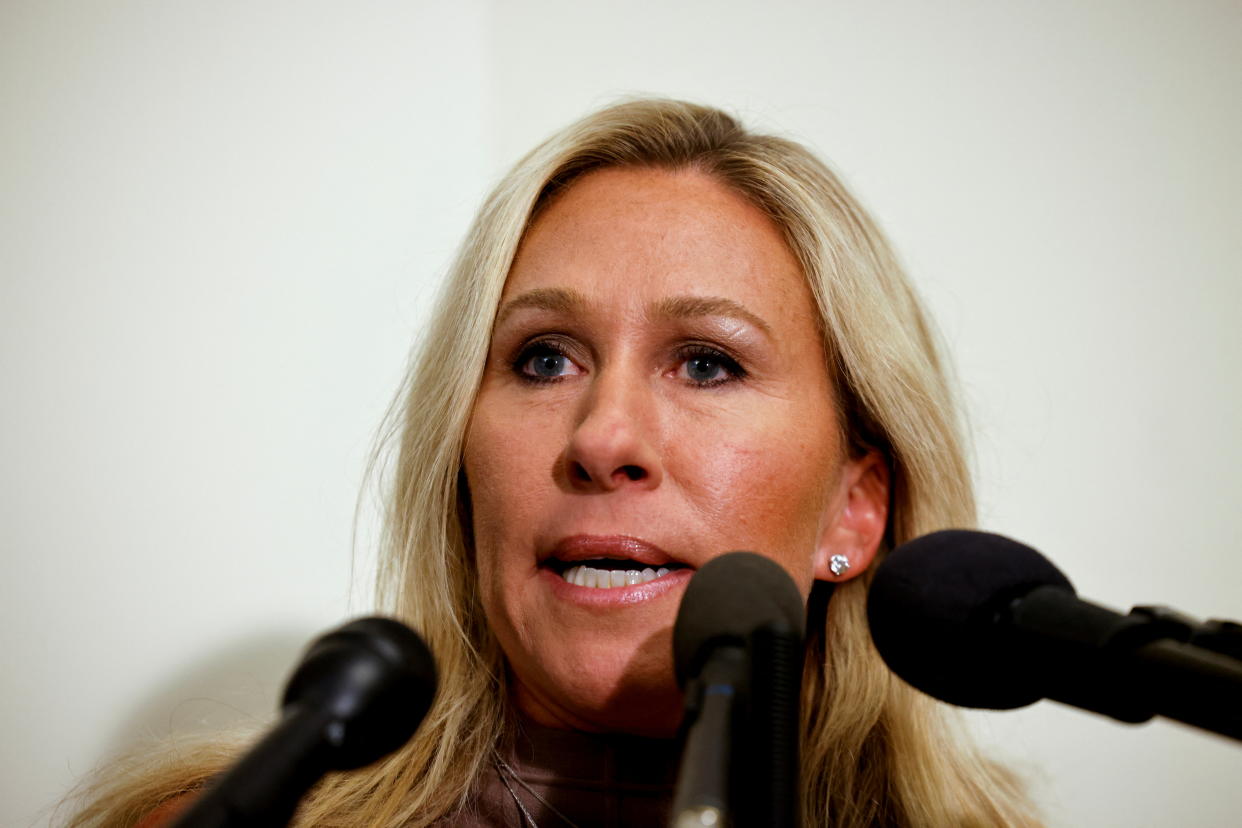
column 979, row 620
column 360, row 692
column 737, row 651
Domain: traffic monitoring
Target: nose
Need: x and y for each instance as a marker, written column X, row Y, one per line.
column 612, row 445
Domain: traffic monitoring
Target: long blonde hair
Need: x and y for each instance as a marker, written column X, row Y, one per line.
column 875, row 752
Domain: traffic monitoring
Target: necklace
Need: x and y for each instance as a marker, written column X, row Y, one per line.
column 506, row 772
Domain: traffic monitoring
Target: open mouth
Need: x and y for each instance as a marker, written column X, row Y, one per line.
column 607, row 573
column 609, row 561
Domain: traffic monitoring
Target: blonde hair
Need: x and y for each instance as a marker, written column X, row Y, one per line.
column 874, row 751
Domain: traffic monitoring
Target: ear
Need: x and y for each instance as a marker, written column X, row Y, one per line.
column 855, row 520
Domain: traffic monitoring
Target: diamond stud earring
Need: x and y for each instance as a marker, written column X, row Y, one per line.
column 838, row 564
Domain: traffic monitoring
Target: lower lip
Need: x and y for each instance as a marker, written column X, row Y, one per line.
column 606, row 597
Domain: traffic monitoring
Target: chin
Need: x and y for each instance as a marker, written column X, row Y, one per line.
column 643, row 714
column 638, row 695
column 636, row 714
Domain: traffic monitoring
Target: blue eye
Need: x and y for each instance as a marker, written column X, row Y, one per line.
column 707, row 367
column 546, row 365
column 543, row 362
column 703, row 369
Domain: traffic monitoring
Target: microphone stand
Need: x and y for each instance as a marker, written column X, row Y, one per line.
column 740, row 763
column 1152, row 661
column 264, row 787
column 714, row 711
column 359, row 693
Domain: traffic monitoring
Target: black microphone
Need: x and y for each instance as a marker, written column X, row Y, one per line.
column 737, row 650
column 979, row 620
column 359, row 694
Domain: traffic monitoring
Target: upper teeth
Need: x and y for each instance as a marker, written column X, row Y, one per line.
column 608, row 578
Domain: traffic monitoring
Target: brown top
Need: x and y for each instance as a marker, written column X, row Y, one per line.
column 560, row 778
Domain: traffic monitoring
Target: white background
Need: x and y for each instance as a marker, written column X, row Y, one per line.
column 221, row 223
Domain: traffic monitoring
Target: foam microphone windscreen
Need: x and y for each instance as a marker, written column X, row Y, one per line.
column 727, row 600
column 937, row 609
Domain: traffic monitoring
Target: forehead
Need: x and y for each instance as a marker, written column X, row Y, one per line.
column 635, row 235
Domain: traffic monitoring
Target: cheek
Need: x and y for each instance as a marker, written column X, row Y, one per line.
column 508, row 471
column 765, row 489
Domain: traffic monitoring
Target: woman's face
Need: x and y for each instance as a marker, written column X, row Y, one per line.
column 655, row 395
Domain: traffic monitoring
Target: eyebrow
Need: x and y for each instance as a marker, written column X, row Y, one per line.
column 685, row 307
column 550, row 299
column 563, row 300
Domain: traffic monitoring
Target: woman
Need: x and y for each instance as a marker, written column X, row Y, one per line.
column 664, row 338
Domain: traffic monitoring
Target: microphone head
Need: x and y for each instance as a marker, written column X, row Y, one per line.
column 729, row 599
column 935, row 609
column 375, row 680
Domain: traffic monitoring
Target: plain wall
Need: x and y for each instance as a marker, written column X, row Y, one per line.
column 222, row 224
